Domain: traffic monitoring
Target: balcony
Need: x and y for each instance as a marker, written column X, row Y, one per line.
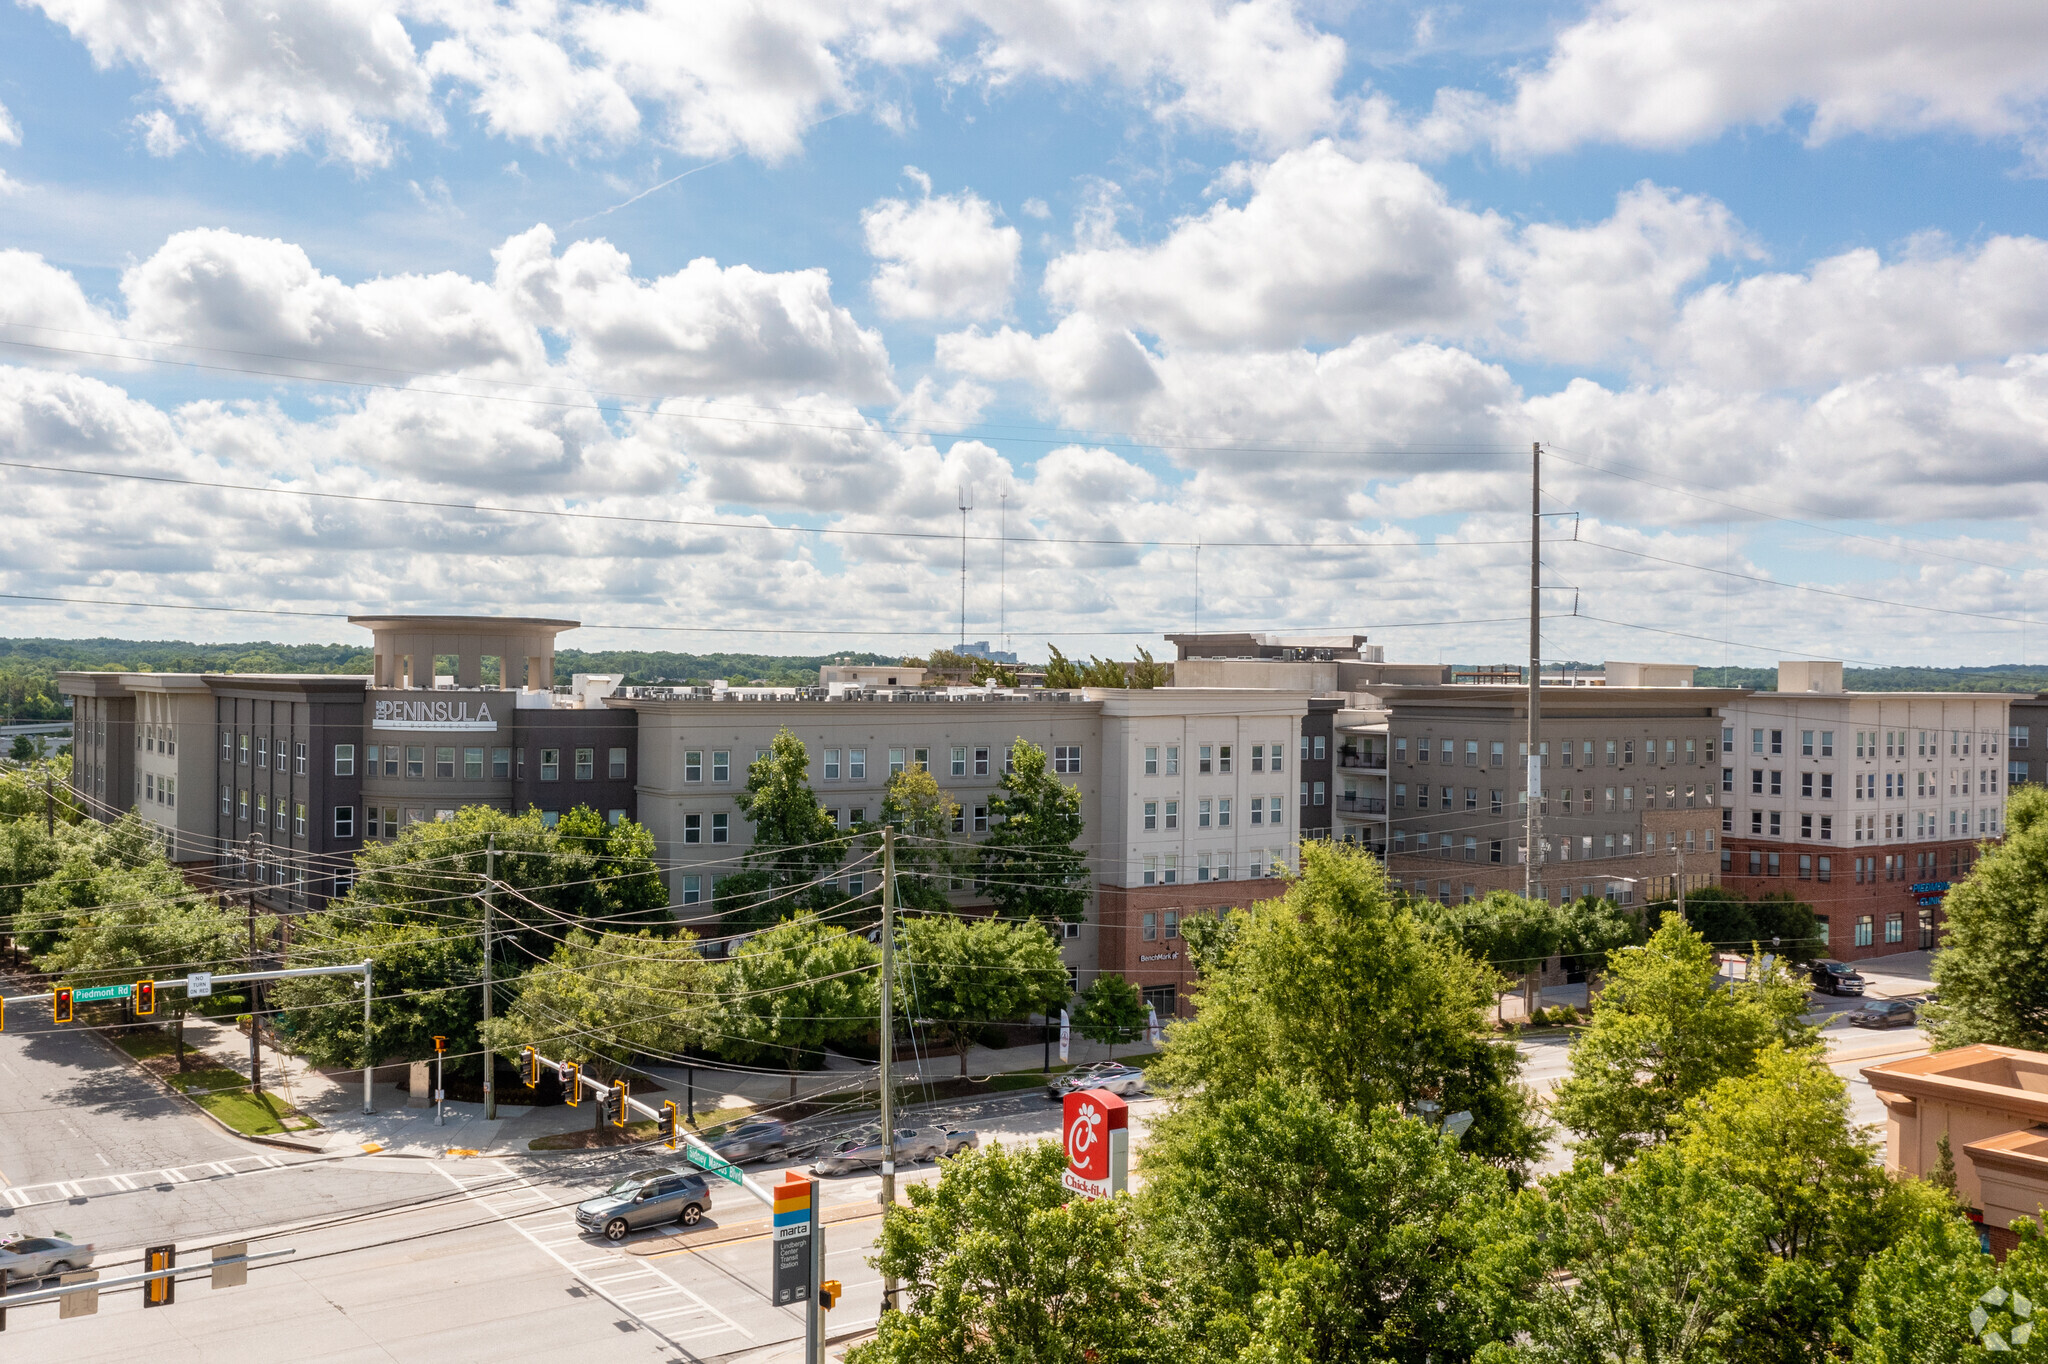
column 1362, row 805
column 1369, row 762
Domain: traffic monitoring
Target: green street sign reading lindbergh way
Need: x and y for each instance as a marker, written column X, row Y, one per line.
column 93, row 993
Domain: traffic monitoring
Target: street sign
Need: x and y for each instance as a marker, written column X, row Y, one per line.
column 93, row 994
column 198, row 985
column 795, row 1218
column 1065, row 1029
column 1097, row 1127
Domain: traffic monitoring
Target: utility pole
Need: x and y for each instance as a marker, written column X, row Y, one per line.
column 49, row 805
column 255, row 1006
column 888, row 1038
column 1531, row 869
column 490, row 894
column 966, row 506
column 1003, row 572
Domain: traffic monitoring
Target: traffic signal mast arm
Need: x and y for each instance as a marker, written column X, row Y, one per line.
column 180, row 982
column 699, row 1154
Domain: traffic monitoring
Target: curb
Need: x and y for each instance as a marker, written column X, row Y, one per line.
column 281, row 1143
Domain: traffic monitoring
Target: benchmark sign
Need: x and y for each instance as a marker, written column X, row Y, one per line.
column 1097, row 1128
column 464, row 714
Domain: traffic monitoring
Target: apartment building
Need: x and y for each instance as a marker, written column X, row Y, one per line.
column 1867, row 805
column 2026, row 744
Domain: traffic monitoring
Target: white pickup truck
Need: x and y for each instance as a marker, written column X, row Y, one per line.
column 29, row 1258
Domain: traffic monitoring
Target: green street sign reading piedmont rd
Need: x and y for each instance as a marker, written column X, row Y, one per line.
column 92, row 994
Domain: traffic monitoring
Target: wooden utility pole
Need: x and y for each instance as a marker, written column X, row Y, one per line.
column 490, row 894
column 1531, row 868
column 255, row 1007
column 888, row 1197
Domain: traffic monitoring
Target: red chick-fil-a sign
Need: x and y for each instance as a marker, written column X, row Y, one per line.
column 1096, row 1127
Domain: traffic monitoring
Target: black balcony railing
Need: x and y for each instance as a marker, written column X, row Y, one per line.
column 1371, row 762
column 1362, row 805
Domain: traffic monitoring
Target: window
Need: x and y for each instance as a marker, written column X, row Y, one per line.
column 693, row 828
column 227, row 743
column 2016, row 736
column 1202, row 814
column 1498, row 754
column 1173, row 814
column 1495, row 798
column 262, row 751
column 1259, row 806
column 299, row 820
column 693, row 889
column 920, row 760
column 1628, row 752
column 981, row 819
column 980, row 762
column 693, row 765
column 721, row 827
column 415, row 761
column 444, row 763
column 586, row 764
column 829, row 764
column 721, row 765
column 1805, row 867
column 501, row 764
column 473, row 764
column 1447, row 795
column 1863, row 930
column 280, row 815
column 1806, row 785
column 1777, row 824
column 1422, row 750
column 1169, row 868
column 551, row 764
column 1223, row 759
column 1777, row 783
column 1204, row 762
column 1400, row 750
column 1275, row 754
column 618, row 764
column 1066, row 758
column 344, row 760
column 857, row 764
column 1273, row 811
column 1628, row 798
column 1827, row 828
column 1806, row 826
column 1805, row 747
column 1223, row 813
column 1151, row 871
column 1151, row 814
column 1771, row 864
column 1472, row 798
column 1173, row 759
column 1756, row 821
column 896, row 761
column 1201, row 867
column 1152, row 760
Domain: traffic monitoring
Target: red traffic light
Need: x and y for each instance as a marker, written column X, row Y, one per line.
column 145, row 998
column 60, row 1005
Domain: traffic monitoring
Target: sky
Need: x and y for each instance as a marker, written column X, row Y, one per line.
column 698, row 323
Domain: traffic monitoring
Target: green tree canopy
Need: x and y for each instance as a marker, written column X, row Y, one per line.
column 1777, row 922
column 1666, row 1028
column 1992, row 969
column 796, row 843
column 794, row 989
column 961, row 973
column 1030, row 866
column 1111, row 1011
column 927, row 862
column 1594, row 929
column 85, row 869
column 1509, row 933
column 1340, row 990
column 1235, row 1189
column 1001, row 1266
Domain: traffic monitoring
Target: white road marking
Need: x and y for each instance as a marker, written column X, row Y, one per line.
column 688, row 1302
column 103, row 1159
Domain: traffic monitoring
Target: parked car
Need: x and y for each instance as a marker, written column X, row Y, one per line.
column 39, row 1257
column 862, row 1149
column 749, row 1139
column 1885, row 1013
column 1114, row 1076
column 960, row 1139
column 1836, row 978
column 645, row 1198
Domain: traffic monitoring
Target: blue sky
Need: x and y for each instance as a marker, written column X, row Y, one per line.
column 1296, row 282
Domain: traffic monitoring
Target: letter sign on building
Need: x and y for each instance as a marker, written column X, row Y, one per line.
column 1096, row 1125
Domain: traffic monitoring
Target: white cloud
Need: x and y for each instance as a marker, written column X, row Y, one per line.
column 1672, row 73
column 268, row 79
column 942, row 257
column 10, row 131
column 927, row 405
column 43, row 305
column 160, row 133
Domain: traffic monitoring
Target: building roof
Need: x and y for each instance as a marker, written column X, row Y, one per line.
column 480, row 624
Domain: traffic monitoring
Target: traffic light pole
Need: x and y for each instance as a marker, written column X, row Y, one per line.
column 490, row 894
column 888, row 1196
column 255, row 1018
column 814, row 1310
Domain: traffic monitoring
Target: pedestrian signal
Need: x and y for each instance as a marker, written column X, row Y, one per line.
column 829, row 1292
column 60, row 1006
column 145, row 998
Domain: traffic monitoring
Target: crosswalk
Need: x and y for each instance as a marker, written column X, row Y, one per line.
column 632, row 1284
column 92, row 1186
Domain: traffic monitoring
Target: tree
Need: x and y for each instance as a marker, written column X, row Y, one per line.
column 86, row 868
column 1030, row 867
column 1513, row 935
column 926, row 860
column 1340, row 990
column 1344, row 1232
column 1002, row 1264
column 1992, row 969
column 1913, row 1303
column 794, row 989
column 1111, row 1011
column 1209, row 937
column 152, row 924
column 1147, row 673
column 419, row 970
column 24, row 749
column 1593, row 930
column 601, row 1001
column 960, row 973
column 1665, row 1029
column 1061, row 674
column 1777, row 923
column 796, row 842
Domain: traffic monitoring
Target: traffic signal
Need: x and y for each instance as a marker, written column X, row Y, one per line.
column 145, row 998
column 829, row 1293
column 572, row 1083
column 619, row 1105
column 440, row 1044
column 160, row 1292
column 60, row 1005
column 529, row 1065
column 668, row 1122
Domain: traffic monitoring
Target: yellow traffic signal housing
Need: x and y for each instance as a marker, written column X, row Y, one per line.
column 619, row 1112
column 668, row 1121
column 60, row 1006
column 829, row 1293
column 529, row 1063
column 572, row 1083
column 145, row 998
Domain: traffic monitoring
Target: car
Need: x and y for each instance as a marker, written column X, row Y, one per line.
column 749, row 1139
column 39, row 1257
column 960, row 1139
column 862, row 1148
column 645, row 1198
column 1885, row 1013
column 1836, row 978
column 1114, row 1076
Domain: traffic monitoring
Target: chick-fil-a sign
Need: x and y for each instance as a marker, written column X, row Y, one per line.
column 1096, row 1127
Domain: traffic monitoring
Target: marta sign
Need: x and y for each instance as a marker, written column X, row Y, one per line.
column 1097, row 1128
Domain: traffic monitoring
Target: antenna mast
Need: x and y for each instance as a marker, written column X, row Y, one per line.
column 1003, row 574
column 966, row 506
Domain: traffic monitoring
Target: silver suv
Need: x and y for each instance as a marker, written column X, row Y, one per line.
column 644, row 1199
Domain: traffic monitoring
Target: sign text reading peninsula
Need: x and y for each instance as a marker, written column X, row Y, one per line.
column 437, row 715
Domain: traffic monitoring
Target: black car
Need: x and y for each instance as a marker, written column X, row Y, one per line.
column 1885, row 1013
column 1836, row 978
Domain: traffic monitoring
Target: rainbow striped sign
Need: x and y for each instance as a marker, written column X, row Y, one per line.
column 794, row 1218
